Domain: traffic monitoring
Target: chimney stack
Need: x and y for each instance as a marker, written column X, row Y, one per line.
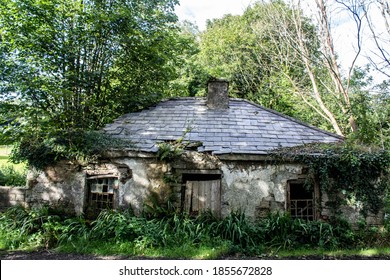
column 218, row 94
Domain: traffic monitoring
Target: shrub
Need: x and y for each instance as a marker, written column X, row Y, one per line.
column 118, row 225
column 280, row 230
column 177, row 232
column 40, row 151
column 32, row 228
column 9, row 176
column 237, row 229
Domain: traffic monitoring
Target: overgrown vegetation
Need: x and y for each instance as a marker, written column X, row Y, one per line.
column 78, row 145
column 360, row 174
column 10, row 176
column 204, row 236
column 171, row 150
column 74, row 66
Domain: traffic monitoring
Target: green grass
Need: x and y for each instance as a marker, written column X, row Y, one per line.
column 4, row 154
column 129, row 249
column 5, row 151
column 10, row 173
column 179, row 236
column 4, row 159
column 203, row 252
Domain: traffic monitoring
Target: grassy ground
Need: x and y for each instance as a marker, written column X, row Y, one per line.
column 4, row 159
column 11, row 174
column 179, row 236
column 126, row 251
column 4, row 153
column 220, row 251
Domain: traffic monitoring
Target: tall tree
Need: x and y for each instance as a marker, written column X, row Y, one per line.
column 283, row 59
column 77, row 64
column 256, row 53
column 192, row 77
column 380, row 56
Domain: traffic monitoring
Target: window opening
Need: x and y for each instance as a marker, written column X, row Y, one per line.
column 301, row 201
column 101, row 193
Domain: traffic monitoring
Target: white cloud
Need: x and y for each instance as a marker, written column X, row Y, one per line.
column 199, row 11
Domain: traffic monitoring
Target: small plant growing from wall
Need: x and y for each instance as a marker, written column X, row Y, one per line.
column 171, row 150
column 168, row 151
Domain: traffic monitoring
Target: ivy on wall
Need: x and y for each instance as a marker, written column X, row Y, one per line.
column 355, row 173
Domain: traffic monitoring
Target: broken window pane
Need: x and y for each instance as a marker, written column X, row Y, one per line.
column 300, row 201
column 100, row 194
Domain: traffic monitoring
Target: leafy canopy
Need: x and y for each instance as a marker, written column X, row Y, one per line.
column 75, row 65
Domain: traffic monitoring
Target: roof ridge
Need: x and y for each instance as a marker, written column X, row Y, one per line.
column 183, row 98
column 289, row 118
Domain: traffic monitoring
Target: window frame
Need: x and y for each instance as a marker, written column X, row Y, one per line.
column 108, row 195
column 315, row 194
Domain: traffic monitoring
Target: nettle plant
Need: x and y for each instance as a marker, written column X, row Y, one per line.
column 358, row 174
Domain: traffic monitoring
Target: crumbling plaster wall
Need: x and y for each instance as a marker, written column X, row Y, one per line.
column 65, row 184
column 61, row 185
column 256, row 188
column 351, row 210
column 147, row 179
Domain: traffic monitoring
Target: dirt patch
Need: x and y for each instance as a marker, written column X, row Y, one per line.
column 51, row 255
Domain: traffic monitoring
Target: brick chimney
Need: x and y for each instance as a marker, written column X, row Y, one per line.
column 218, row 94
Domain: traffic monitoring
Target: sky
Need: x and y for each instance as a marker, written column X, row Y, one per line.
column 344, row 36
column 198, row 11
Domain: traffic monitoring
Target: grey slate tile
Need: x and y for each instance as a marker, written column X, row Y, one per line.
column 244, row 128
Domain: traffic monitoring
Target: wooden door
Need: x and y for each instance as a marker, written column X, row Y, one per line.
column 201, row 196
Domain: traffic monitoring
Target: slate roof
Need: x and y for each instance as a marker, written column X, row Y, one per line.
column 243, row 128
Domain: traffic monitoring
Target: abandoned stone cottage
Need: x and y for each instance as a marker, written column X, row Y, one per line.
column 222, row 169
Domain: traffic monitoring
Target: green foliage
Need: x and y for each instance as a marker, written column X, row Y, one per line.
column 358, row 174
column 192, row 77
column 74, row 59
column 237, row 229
column 282, row 232
column 372, row 110
column 245, row 50
column 21, row 228
column 204, row 236
column 169, row 151
column 9, row 176
column 77, row 65
column 71, row 230
column 76, row 145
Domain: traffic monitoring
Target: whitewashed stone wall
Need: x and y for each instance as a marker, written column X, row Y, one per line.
column 255, row 187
